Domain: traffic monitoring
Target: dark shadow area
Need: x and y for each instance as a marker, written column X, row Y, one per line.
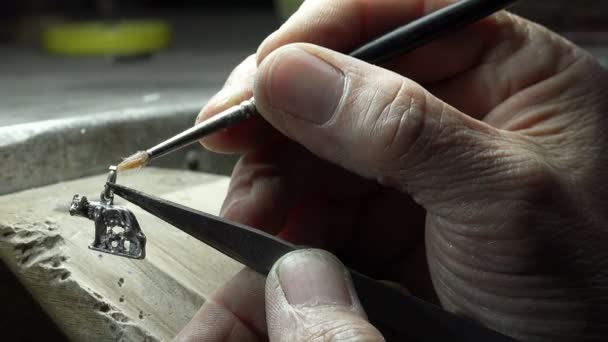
column 21, row 318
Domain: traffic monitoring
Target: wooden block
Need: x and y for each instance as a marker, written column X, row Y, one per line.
column 95, row 296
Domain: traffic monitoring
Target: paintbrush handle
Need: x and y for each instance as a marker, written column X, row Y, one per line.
column 399, row 41
column 223, row 120
column 426, row 29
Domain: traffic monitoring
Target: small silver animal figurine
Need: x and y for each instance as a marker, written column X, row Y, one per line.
column 116, row 228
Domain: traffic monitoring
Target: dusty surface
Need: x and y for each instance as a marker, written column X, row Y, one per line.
column 99, row 297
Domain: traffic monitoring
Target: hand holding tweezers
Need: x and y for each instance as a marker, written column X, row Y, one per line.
column 393, row 312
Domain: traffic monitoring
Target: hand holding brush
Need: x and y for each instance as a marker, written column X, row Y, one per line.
column 397, row 42
column 469, row 172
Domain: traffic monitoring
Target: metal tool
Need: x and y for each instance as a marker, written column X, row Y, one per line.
column 396, row 314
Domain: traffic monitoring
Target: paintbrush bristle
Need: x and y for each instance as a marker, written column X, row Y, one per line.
column 136, row 160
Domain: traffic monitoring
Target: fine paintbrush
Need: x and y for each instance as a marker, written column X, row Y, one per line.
column 402, row 40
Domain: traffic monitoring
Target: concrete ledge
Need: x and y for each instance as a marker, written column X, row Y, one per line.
column 42, row 153
column 94, row 296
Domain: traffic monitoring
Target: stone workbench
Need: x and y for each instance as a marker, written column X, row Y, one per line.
column 93, row 296
column 65, row 119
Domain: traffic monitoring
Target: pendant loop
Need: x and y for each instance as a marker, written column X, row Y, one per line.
column 107, row 195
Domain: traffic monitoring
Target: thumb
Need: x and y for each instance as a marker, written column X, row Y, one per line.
column 310, row 297
column 372, row 121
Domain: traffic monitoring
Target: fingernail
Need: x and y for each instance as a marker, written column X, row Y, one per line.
column 312, row 277
column 304, row 86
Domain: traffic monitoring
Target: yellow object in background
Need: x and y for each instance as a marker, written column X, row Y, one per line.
column 286, row 8
column 123, row 38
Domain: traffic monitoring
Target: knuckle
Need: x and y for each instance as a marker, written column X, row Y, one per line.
column 534, row 174
column 397, row 122
column 518, row 172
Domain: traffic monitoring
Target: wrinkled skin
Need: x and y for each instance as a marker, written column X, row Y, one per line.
column 472, row 173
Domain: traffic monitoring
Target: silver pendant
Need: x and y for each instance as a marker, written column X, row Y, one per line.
column 116, row 229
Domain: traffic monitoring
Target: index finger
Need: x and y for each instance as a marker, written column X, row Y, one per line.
column 245, row 135
column 345, row 25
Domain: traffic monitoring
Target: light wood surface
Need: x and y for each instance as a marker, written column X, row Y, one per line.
column 95, row 296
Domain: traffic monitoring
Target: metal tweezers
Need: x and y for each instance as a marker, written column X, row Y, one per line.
column 397, row 315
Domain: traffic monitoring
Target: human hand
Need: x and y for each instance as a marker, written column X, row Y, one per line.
column 471, row 172
column 326, row 309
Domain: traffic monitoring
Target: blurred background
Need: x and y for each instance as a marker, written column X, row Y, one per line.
column 195, row 45
column 21, row 20
column 156, row 61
